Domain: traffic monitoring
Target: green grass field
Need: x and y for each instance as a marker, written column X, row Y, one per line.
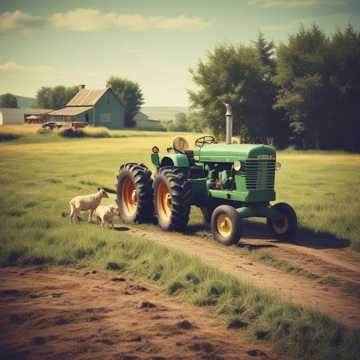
column 38, row 177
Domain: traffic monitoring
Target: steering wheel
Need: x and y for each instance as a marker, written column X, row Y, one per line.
column 205, row 140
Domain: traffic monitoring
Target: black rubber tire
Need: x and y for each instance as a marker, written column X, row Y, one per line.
column 179, row 188
column 140, row 175
column 290, row 223
column 235, row 219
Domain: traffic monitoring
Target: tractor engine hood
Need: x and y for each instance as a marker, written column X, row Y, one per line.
column 223, row 153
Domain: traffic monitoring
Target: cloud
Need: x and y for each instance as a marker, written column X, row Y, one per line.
column 18, row 21
column 13, row 67
column 92, row 19
column 293, row 3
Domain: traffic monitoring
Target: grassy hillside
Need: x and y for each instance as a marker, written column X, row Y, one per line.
column 25, row 102
column 163, row 113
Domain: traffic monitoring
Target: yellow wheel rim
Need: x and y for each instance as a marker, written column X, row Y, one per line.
column 224, row 225
column 281, row 226
column 129, row 197
column 163, row 201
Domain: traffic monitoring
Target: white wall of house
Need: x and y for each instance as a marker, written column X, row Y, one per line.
column 11, row 116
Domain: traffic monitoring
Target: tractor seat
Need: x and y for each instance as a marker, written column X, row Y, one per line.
column 180, row 144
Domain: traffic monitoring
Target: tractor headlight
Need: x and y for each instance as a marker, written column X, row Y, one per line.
column 278, row 165
column 237, row 165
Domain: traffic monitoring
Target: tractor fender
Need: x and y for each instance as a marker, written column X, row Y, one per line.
column 176, row 159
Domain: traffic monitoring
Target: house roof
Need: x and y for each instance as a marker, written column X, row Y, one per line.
column 71, row 111
column 86, row 97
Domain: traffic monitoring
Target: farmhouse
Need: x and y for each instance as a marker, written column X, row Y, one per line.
column 13, row 116
column 96, row 107
column 143, row 122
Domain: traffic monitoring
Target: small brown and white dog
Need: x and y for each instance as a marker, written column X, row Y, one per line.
column 105, row 214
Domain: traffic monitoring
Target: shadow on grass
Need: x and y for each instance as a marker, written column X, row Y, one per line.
column 304, row 237
column 121, row 228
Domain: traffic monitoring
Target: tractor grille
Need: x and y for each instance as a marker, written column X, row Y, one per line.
column 260, row 174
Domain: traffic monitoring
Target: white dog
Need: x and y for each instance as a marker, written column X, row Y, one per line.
column 86, row 203
column 105, row 214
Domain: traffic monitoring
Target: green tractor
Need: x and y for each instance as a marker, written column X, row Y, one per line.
column 228, row 182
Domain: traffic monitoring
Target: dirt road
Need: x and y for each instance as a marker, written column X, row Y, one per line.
column 63, row 313
column 323, row 261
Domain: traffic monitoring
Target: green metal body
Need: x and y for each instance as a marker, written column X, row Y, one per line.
column 215, row 181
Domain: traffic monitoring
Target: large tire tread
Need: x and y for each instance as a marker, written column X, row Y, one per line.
column 141, row 177
column 180, row 190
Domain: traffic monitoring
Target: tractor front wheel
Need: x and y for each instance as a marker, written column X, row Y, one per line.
column 172, row 198
column 226, row 225
column 134, row 193
column 285, row 227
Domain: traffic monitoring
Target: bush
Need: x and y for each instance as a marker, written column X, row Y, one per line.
column 86, row 132
column 97, row 132
column 72, row 133
column 8, row 136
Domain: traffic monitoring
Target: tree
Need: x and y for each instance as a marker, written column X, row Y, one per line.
column 55, row 97
column 179, row 124
column 8, row 101
column 345, row 54
column 130, row 95
column 277, row 123
column 266, row 53
column 196, row 122
column 306, row 92
column 238, row 76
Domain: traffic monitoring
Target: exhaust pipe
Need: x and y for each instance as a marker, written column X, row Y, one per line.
column 229, row 123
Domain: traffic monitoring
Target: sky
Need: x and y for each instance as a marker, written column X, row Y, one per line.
column 152, row 42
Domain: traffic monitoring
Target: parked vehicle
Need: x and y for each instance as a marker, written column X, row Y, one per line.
column 51, row 125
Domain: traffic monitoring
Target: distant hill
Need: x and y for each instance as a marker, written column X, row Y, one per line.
column 163, row 113
column 25, row 102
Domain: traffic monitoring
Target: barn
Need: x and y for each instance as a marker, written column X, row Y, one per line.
column 95, row 107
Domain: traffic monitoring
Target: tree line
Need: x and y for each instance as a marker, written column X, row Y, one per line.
column 304, row 92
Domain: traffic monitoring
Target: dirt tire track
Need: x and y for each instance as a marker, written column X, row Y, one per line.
column 341, row 263
column 64, row 313
column 299, row 290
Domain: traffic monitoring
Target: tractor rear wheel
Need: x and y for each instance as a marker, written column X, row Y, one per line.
column 226, row 225
column 286, row 226
column 134, row 193
column 172, row 199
